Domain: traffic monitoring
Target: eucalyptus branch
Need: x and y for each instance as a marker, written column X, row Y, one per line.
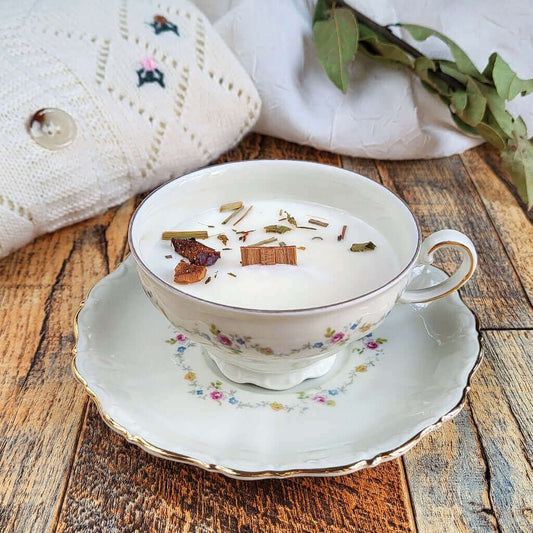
column 387, row 34
column 476, row 99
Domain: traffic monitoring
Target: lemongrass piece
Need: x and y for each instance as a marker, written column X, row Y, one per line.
column 318, row 222
column 266, row 241
column 232, row 215
column 230, row 207
column 169, row 235
column 247, row 211
column 306, row 227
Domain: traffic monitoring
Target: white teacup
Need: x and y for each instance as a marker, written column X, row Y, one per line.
column 279, row 348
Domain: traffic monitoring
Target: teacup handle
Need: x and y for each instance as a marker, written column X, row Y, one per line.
column 446, row 238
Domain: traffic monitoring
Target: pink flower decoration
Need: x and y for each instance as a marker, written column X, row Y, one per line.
column 181, row 338
column 149, row 64
column 319, row 399
column 337, row 337
column 224, row 340
column 371, row 345
column 216, row 395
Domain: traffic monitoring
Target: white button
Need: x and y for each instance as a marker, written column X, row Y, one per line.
column 52, row 128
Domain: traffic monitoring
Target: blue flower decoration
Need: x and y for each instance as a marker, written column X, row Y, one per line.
column 205, row 336
column 199, row 392
column 240, row 341
column 368, row 336
column 318, row 345
column 181, row 349
column 333, row 392
column 353, row 326
column 233, row 400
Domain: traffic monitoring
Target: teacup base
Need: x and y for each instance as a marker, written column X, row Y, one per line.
column 273, row 380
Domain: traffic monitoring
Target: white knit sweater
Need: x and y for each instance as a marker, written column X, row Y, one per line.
column 151, row 98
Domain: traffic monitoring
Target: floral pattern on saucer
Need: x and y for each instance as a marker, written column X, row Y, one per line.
column 223, row 393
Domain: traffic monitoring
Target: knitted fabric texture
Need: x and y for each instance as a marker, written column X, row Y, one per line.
column 152, row 89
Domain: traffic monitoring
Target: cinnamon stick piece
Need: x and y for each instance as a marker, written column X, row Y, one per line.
column 268, row 255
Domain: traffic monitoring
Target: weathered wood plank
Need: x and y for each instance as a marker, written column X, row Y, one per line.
column 116, row 487
column 42, row 285
column 509, row 218
column 475, row 473
column 442, row 195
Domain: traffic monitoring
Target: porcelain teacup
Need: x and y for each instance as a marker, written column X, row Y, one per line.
column 279, row 348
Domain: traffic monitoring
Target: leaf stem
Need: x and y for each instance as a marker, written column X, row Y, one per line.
column 406, row 47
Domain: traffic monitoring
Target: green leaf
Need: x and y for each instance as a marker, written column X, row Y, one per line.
column 475, row 106
column 379, row 49
column 459, row 100
column 507, row 83
column 491, row 135
column 450, row 68
column 336, row 43
column 519, row 127
column 464, row 126
column 487, row 71
column 464, row 63
column 517, row 159
column 496, row 105
column 321, row 11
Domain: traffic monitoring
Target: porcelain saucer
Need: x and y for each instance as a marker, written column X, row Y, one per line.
column 385, row 392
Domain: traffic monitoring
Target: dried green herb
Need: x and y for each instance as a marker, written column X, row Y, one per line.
column 231, row 206
column 362, row 246
column 317, row 238
column 476, row 99
column 226, row 220
column 232, row 274
column 266, row 241
column 168, row 257
column 273, row 228
column 207, row 280
column 223, row 238
column 291, row 219
column 246, row 212
column 169, row 235
column 307, row 227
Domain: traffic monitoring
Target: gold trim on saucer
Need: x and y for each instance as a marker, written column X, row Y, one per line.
column 265, row 474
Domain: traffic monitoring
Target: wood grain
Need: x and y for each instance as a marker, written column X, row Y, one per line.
column 62, row 469
column 475, row 473
column 42, row 285
column 441, row 195
column 509, row 217
column 116, row 487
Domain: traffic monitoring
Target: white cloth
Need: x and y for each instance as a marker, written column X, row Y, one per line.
column 82, row 57
column 386, row 113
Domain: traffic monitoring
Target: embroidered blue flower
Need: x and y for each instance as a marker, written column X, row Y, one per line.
column 318, row 345
column 162, row 24
column 181, row 349
column 199, row 392
column 233, row 400
column 240, row 341
column 333, row 392
column 353, row 326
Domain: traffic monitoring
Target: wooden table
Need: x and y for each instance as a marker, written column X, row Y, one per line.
column 63, row 469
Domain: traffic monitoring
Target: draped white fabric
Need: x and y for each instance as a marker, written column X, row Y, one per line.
column 386, row 113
